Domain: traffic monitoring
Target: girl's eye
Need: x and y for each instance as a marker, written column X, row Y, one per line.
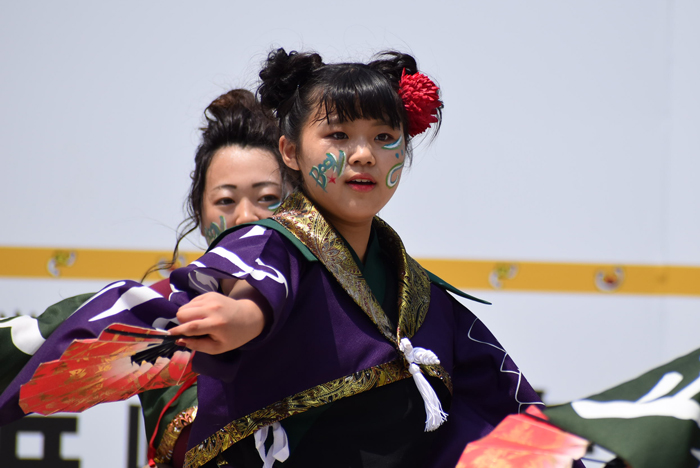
column 385, row 137
column 339, row 136
column 225, row 201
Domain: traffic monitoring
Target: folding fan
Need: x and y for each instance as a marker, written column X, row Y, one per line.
column 123, row 361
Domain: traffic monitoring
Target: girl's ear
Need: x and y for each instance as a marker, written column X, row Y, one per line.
column 288, row 150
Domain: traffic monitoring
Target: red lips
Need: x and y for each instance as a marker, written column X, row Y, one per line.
column 361, row 182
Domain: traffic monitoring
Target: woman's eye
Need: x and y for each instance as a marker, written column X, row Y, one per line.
column 224, row 201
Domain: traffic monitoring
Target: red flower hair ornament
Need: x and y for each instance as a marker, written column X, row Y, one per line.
column 421, row 100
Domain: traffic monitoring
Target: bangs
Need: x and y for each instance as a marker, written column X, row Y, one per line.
column 358, row 92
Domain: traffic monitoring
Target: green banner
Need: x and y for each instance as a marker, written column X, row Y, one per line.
column 652, row 421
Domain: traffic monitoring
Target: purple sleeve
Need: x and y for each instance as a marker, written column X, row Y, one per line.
column 485, row 374
column 259, row 255
column 262, row 257
column 248, row 253
column 487, row 386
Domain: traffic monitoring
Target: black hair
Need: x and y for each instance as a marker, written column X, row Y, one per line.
column 234, row 118
column 298, row 86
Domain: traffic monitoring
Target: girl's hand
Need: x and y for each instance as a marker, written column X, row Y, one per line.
column 217, row 323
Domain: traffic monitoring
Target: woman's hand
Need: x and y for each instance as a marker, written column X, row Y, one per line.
column 215, row 323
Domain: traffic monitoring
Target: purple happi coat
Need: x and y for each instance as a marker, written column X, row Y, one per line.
column 325, row 339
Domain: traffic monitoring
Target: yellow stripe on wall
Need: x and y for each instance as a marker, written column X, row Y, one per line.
column 95, row 264
column 568, row 277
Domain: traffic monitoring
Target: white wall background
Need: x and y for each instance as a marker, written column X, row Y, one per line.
column 570, row 134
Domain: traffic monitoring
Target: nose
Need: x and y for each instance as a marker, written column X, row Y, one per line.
column 362, row 154
column 245, row 212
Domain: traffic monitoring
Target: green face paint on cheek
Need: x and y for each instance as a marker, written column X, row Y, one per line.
column 213, row 231
column 331, row 163
column 392, row 178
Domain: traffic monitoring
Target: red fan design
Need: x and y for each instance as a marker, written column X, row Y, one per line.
column 523, row 441
column 123, row 361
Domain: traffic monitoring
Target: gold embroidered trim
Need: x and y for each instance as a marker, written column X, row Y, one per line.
column 241, row 428
column 304, row 221
column 413, row 286
column 164, row 453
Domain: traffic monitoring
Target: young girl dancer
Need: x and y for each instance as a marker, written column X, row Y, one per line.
column 339, row 349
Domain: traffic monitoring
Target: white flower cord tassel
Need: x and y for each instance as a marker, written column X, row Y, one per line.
column 280, row 445
column 435, row 416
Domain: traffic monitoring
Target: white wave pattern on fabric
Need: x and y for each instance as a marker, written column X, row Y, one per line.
column 130, row 298
column 435, row 416
column 202, row 282
column 254, row 231
column 280, row 444
column 246, row 269
column 655, row 402
column 25, row 333
column 695, row 452
column 173, row 290
column 505, row 371
column 107, row 288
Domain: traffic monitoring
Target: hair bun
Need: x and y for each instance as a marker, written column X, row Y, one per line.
column 237, row 103
column 283, row 73
column 234, row 99
column 392, row 64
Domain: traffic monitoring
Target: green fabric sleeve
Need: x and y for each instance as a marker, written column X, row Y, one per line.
column 14, row 359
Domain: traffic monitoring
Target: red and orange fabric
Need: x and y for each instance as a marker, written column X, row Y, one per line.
column 524, row 441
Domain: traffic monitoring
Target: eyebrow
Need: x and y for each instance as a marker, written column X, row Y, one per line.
column 260, row 184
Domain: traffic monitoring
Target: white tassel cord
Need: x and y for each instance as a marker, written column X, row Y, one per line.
column 280, row 445
column 435, row 416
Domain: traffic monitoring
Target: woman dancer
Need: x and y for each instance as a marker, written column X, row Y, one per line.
column 239, row 177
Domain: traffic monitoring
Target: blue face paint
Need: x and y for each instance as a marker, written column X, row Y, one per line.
column 213, row 231
column 392, row 178
column 274, row 206
column 394, row 145
column 331, row 163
